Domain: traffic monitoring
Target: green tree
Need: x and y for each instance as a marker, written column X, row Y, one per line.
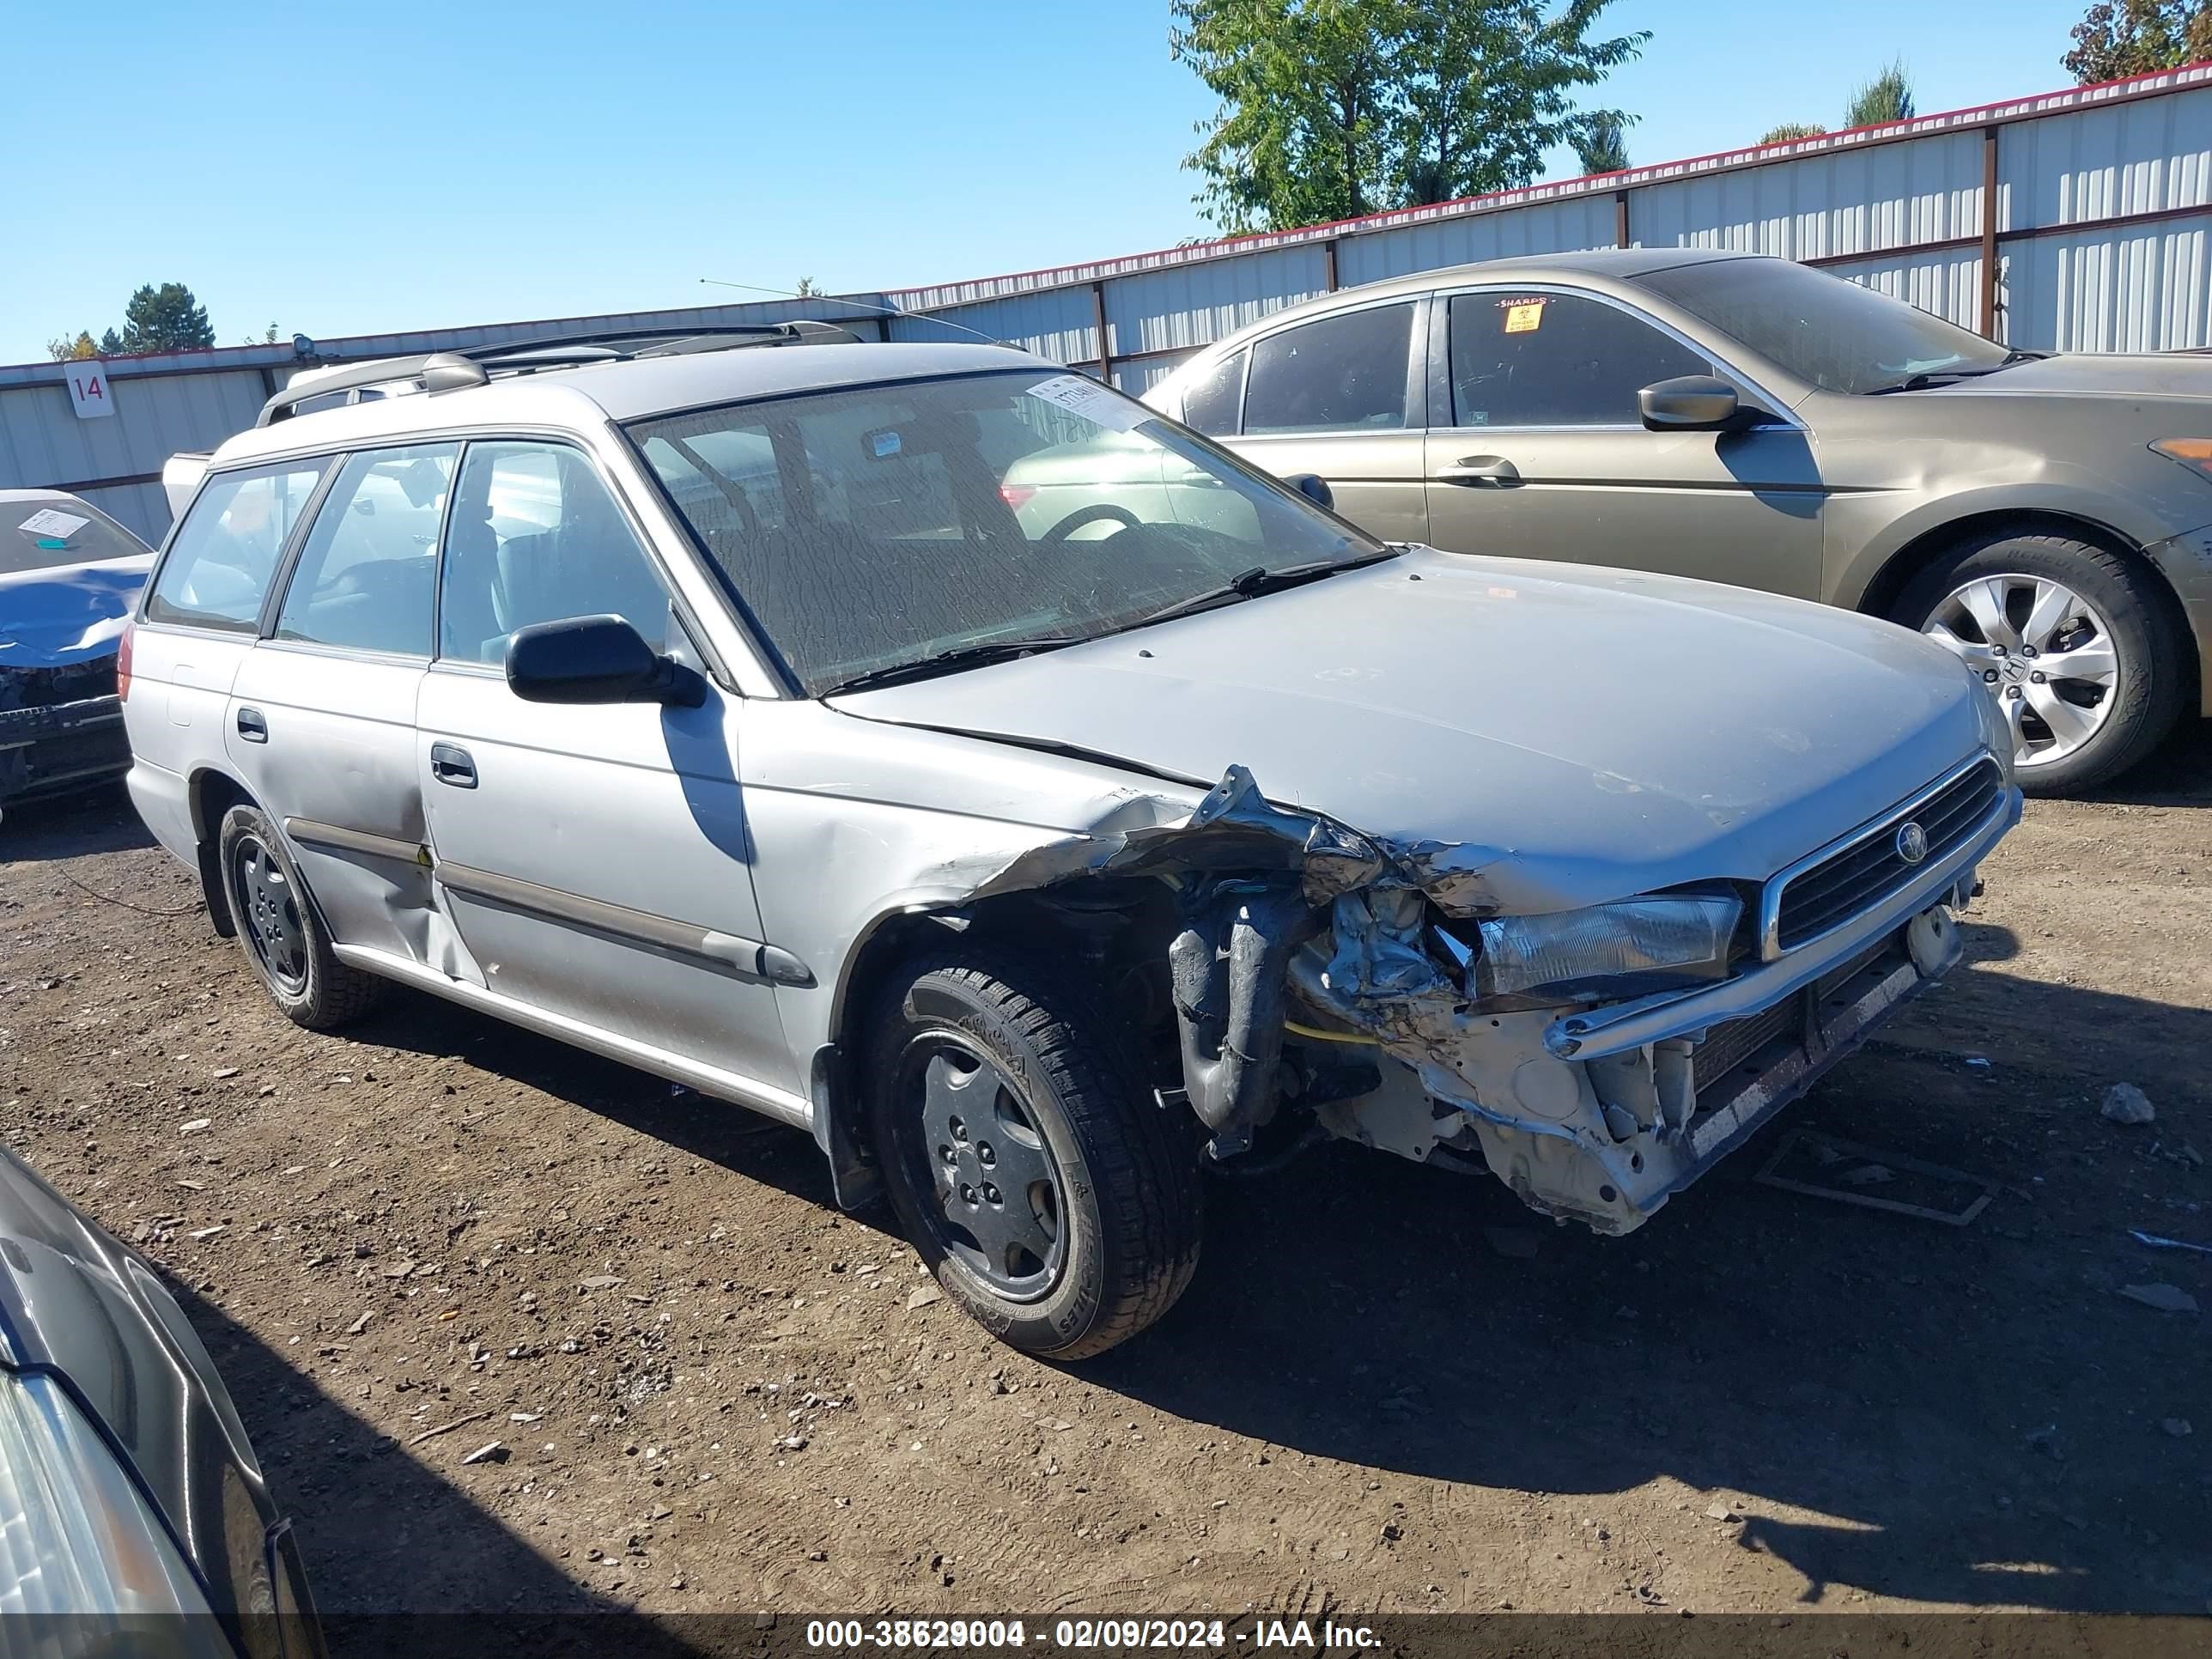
column 1788, row 130
column 164, row 319
column 1888, row 97
column 111, row 344
column 268, row 337
column 806, row 290
column 1333, row 108
column 2139, row 36
column 63, row 349
column 1600, row 146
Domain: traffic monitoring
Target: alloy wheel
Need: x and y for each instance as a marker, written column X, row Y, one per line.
column 996, row 1202
column 269, row 912
column 2042, row 650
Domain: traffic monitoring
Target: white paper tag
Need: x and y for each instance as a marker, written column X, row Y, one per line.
column 47, row 521
column 1078, row 394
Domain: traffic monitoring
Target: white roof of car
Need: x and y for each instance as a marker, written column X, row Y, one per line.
column 594, row 394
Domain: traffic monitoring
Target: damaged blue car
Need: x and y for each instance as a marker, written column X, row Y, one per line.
column 69, row 576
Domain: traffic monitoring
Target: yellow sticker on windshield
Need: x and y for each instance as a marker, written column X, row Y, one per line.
column 1524, row 318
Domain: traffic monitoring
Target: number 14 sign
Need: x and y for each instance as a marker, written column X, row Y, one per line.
column 89, row 390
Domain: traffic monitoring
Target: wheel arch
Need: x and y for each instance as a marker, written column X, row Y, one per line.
column 1035, row 924
column 1898, row 571
column 211, row 793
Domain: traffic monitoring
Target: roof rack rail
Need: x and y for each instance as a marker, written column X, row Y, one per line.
column 468, row 366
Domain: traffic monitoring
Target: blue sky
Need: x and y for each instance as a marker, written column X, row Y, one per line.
column 411, row 166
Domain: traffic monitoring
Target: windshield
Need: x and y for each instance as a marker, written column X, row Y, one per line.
column 45, row 533
column 1832, row 333
column 885, row 525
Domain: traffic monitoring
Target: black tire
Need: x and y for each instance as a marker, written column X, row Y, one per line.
column 2153, row 678
column 281, row 930
column 1125, row 1233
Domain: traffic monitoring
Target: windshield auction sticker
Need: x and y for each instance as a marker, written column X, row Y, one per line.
column 1079, row 395
column 48, row 523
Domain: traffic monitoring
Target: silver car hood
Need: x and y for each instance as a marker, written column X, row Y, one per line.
column 1578, row 733
column 2086, row 375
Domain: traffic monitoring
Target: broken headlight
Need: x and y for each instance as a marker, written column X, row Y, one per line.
column 1656, row 943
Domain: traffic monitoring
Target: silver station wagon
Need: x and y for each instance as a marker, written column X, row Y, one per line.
column 750, row 708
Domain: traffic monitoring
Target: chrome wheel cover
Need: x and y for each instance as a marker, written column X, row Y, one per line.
column 2042, row 650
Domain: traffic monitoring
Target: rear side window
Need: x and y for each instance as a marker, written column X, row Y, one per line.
column 1556, row 360
column 223, row 555
column 367, row 578
column 536, row 537
column 1210, row 406
column 1343, row 372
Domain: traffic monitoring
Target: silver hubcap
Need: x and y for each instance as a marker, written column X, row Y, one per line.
column 2043, row 653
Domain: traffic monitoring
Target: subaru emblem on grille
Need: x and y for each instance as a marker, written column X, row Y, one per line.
column 1912, row 843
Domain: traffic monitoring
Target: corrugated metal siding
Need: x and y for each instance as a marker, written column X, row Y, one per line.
column 1947, row 283
column 1548, row 228
column 43, row 442
column 2103, row 291
column 2146, row 157
column 1191, row 305
column 1928, row 189
column 1856, row 200
column 1141, row 376
column 1061, row 324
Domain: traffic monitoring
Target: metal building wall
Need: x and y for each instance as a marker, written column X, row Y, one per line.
column 2074, row 221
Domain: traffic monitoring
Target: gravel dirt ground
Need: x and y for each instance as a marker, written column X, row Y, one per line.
column 1390, row 1388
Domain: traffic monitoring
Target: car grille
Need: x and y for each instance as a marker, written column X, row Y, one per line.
column 1733, row 1045
column 1858, row 877
column 41, row 688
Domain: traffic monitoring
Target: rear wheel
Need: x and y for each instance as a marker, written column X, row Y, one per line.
column 281, row 931
column 2077, row 644
column 1051, row 1200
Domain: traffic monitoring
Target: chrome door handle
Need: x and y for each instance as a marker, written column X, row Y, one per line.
column 251, row 726
column 451, row 763
column 1479, row 472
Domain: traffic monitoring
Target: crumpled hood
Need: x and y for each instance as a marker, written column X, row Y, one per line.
column 66, row 614
column 1569, row 734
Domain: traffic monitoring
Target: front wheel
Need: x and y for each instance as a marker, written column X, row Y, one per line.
column 1052, row 1201
column 2077, row 644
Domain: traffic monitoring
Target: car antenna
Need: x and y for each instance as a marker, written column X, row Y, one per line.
column 858, row 305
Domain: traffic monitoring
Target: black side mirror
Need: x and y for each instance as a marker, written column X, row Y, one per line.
column 1314, row 487
column 1690, row 402
column 595, row 659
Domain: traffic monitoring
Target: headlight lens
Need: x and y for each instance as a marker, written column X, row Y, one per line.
column 2195, row 454
column 1660, row 941
column 75, row 1535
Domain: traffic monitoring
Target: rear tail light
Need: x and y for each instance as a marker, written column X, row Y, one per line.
column 1016, row 494
column 122, row 662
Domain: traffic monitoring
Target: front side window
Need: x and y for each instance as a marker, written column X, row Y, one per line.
column 1210, row 404
column 876, row 528
column 1555, row 360
column 535, row 537
column 1346, row 373
column 224, row 554
column 366, row 576
column 1828, row 332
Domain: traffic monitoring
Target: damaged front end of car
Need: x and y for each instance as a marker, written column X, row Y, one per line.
column 1596, row 1061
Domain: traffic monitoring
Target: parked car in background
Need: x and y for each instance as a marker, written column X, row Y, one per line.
column 937, row 751
column 133, row 1516
column 1747, row 419
column 69, row 576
